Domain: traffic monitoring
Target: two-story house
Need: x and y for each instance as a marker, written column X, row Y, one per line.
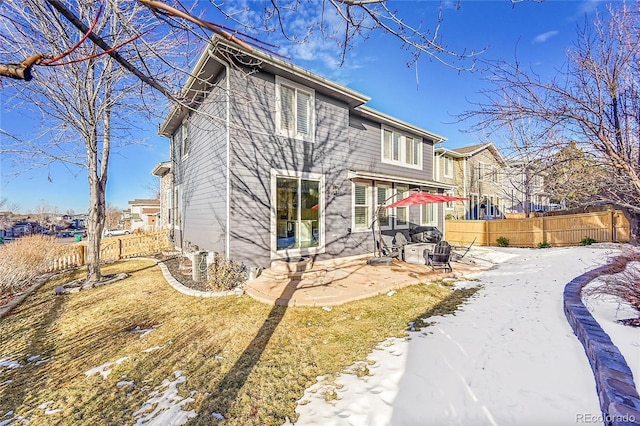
column 524, row 187
column 163, row 172
column 143, row 214
column 476, row 172
column 271, row 161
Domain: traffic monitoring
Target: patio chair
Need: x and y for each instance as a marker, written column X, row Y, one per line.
column 440, row 258
column 397, row 247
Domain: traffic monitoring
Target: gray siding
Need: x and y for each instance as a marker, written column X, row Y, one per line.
column 365, row 139
column 201, row 176
column 256, row 150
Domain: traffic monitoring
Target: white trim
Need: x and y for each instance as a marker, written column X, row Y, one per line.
column 446, row 159
column 274, row 252
column 352, row 174
column 402, row 151
column 376, row 204
column 369, row 216
column 310, row 137
column 395, row 209
column 434, row 222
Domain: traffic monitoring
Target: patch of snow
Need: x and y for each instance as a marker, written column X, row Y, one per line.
column 391, row 293
column 165, row 408
column 50, row 412
column 42, row 361
column 327, row 308
column 44, row 405
column 143, row 332
column 507, row 356
column 125, row 383
column 33, row 358
column 104, row 369
column 6, row 382
column 155, row 348
column 9, row 362
column 218, row 416
column 607, row 310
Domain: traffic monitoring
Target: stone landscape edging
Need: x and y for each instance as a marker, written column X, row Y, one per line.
column 617, row 392
column 178, row 286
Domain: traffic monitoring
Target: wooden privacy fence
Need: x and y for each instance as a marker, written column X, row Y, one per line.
column 114, row 248
column 567, row 230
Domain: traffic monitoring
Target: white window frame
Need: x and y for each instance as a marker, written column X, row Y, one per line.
column 185, row 143
column 377, row 204
column 294, row 134
column 482, row 171
column 447, row 161
column 178, row 208
column 423, row 219
column 369, row 192
column 405, row 190
column 449, row 204
column 402, row 149
column 320, row 248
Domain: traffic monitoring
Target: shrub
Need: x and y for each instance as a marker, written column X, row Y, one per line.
column 24, row 259
column 623, row 283
column 544, row 244
column 503, row 241
column 587, row 241
column 224, row 274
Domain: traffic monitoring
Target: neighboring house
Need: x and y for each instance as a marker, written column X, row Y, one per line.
column 475, row 172
column 280, row 163
column 163, row 171
column 524, row 188
column 144, row 214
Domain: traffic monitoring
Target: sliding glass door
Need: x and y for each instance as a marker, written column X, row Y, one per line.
column 297, row 213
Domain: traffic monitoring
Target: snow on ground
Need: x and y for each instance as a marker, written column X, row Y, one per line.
column 165, row 407
column 508, row 356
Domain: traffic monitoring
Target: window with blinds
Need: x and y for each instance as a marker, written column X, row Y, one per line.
column 360, row 206
column 295, row 105
column 401, row 149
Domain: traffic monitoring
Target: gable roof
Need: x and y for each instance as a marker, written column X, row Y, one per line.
column 472, row 150
column 144, row 202
column 216, row 55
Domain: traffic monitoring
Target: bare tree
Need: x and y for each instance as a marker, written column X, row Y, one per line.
column 113, row 216
column 89, row 99
column 594, row 102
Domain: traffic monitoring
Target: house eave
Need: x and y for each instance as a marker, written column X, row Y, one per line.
column 399, row 124
column 206, row 67
column 161, row 169
column 361, row 174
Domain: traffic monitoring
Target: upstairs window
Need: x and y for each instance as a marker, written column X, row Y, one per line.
column 401, row 149
column 447, row 167
column 185, row 142
column 294, row 110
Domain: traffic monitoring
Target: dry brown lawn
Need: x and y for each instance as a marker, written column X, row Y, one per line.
column 246, row 360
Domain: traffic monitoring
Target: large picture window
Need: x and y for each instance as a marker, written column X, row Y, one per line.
column 401, row 149
column 294, row 110
column 298, row 213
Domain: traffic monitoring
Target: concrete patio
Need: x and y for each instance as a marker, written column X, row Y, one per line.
column 337, row 281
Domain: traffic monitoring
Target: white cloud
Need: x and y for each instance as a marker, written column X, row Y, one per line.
column 541, row 38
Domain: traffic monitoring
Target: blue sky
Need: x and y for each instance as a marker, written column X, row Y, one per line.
column 428, row 94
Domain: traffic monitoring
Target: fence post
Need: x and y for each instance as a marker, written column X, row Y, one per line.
column 81, row 257
column 119, row 253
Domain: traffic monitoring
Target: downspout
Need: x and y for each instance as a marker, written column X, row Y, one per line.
column 227, row 236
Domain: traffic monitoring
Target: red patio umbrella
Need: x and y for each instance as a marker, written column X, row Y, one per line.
column 418, row 198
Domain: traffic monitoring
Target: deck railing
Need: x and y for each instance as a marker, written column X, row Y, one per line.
column 113, row 248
